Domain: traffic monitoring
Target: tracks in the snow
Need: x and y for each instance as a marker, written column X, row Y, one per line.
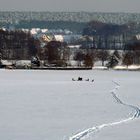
column 88, row 131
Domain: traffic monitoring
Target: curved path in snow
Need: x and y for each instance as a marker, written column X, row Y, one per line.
column 93, row 129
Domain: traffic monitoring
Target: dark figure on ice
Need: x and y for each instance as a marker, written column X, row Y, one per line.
column 73, row 79
column 80, row 78
column 87, row 79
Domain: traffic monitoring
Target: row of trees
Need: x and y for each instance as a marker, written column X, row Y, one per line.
column 17, row 45
column 107, row 35
column 107, row 58
column 90, row 56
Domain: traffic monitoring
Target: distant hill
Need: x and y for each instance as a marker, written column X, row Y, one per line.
column 117, row 18
column 75, row 27
column 74, row 21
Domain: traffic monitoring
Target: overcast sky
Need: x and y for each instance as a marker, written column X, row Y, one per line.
column 71, row 5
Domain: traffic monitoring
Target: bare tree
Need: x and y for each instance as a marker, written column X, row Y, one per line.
column 79, row 57
column 103, row 55
column 88, row 61
column 128, row 58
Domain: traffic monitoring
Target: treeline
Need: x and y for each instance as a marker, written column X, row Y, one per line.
column 109, row 36
column 96, row 27
column 17, row 45
column 107, row 58
column 104, row 29
column 117, row 18
column 88, row 28
column 75, row 27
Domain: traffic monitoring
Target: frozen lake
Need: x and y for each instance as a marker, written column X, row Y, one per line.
column 48, row 105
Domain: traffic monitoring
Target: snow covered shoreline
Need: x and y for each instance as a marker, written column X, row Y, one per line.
column 26, row 65
column 117, row 68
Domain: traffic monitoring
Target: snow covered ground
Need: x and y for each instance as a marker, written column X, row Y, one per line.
column 48, row 105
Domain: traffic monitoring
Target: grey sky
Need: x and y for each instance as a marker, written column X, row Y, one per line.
column 71, row 5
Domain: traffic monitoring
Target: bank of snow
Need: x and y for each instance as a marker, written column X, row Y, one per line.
column 131, row 67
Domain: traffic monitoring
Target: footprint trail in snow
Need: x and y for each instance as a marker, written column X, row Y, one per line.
column 93, row 129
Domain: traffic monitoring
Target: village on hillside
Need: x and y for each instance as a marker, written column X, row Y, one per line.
column 98, row 46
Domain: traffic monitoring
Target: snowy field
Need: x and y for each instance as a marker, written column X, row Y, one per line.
column 48, row 105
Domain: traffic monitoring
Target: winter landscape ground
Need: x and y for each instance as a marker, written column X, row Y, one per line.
column 48, row 105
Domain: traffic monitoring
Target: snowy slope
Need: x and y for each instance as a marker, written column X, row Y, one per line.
column 40, row 105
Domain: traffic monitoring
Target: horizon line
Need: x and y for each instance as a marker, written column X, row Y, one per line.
column 37, row 11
